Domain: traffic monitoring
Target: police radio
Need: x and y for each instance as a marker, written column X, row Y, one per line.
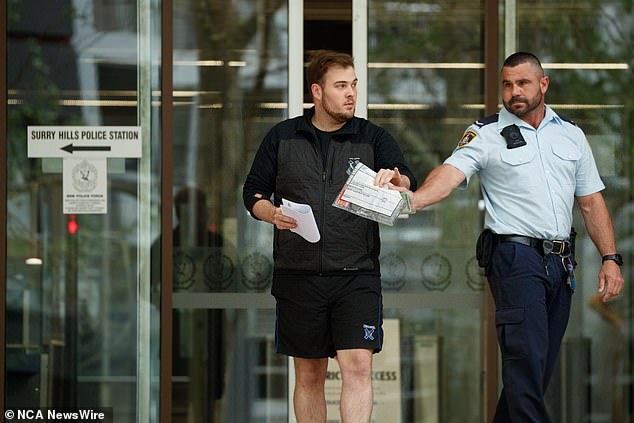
column 513, row 137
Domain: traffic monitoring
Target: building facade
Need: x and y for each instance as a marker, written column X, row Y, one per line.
column 134, row 280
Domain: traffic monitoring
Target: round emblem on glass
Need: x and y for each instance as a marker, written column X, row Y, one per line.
column 256, row 271
column 184, row 270
column 436, row 272
column 475, row 275
column 218, row 269
column 393, row 271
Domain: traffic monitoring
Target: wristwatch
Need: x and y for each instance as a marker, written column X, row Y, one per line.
column 617, row 258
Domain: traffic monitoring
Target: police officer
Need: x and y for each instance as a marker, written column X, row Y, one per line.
column 532, row 165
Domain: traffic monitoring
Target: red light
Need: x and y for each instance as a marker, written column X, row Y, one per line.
column 72, row 226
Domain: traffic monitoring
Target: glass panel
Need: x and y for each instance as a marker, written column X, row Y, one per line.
column 226, row 368
column 230, row 86
column 78, row 317
column 425, row 85
column 591, row 83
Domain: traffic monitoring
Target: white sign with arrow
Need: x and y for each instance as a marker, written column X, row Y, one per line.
column 84, row 151
column 84, row 141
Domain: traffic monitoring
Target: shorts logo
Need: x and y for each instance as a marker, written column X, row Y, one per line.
column 368, row 332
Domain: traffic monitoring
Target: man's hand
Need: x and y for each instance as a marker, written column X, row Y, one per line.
column 281, row 221
column 610, row 280
column 266, row 211
column 388, row 176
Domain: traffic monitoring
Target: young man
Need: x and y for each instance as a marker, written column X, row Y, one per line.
column 532, row 165
column 328, row 294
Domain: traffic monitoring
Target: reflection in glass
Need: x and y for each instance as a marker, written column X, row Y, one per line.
column 425, row 73
column 73, row 326
column 230, row 85
column 591, row 83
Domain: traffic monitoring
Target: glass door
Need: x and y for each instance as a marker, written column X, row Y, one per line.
column 425, row 67
column 230, row 79
column 81, row 314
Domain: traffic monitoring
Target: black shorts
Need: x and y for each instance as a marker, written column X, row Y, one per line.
column 318, row 315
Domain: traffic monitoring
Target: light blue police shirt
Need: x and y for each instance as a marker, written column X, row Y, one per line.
column 528, row 190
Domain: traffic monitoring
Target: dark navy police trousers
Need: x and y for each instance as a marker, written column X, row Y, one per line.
column 532, row 306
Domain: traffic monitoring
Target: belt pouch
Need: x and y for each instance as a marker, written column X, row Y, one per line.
column 484, row 247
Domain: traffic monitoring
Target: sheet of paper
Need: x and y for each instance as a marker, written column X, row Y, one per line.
column 362, row 192
column 303, row 214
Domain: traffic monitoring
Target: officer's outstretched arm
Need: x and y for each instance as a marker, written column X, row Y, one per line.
column 437, row 186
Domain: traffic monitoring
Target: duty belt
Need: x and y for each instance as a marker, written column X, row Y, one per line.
column 545, row 246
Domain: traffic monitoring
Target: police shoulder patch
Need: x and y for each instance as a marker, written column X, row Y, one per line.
column 467, row 137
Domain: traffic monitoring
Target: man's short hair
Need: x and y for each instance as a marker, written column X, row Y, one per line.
column 522, row 57
column 321, row 61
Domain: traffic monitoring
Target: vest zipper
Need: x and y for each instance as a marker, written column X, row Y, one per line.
column 323, row 218
column 325, row 177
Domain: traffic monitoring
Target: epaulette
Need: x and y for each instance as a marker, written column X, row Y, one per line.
column 486, row 120
column 565, row 119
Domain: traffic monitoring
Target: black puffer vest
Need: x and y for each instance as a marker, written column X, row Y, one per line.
column 348, row 243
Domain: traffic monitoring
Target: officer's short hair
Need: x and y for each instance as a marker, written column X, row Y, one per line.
column 321, row 61
column 522, row 57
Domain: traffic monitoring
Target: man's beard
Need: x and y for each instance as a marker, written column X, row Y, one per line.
column 531, row 105
column 340, row 117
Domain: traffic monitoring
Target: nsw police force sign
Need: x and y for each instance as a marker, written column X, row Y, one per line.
column 84, row 141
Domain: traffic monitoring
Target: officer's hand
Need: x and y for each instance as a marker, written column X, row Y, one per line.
column 610, row 280
column 410, row 206
column 385, row 176
column 281, row 221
